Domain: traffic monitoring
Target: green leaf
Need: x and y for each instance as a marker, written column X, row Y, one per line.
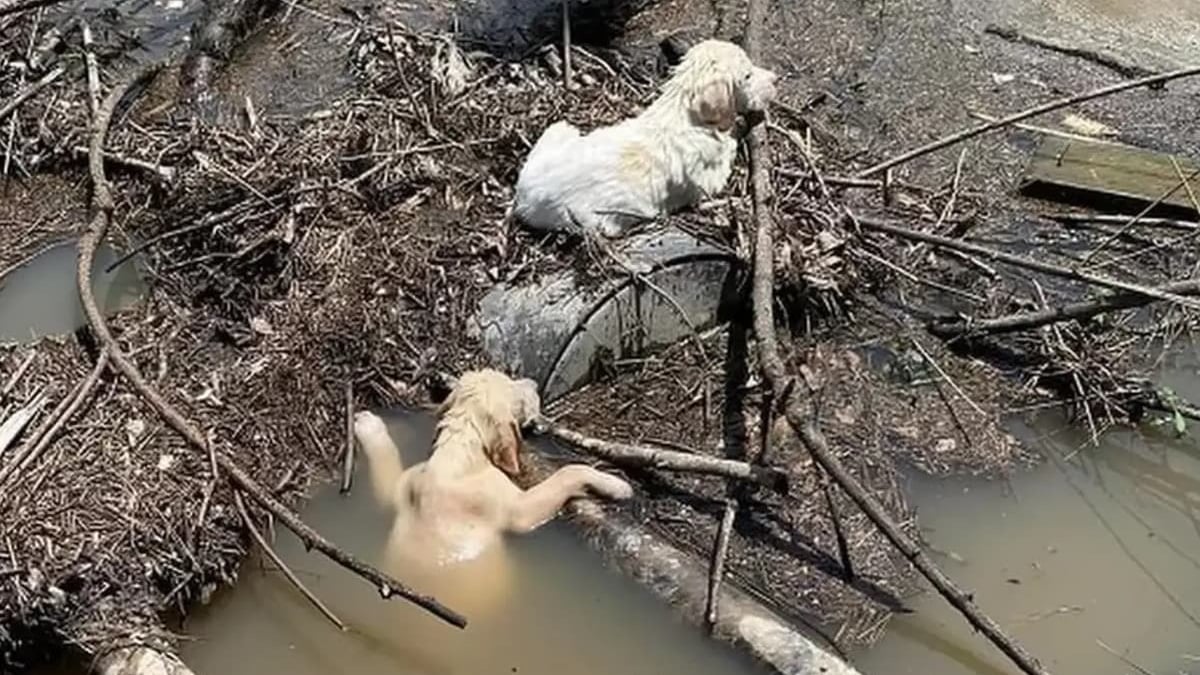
column 1180, row 424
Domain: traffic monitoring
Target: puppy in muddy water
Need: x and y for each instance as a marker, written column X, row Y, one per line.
column 453, row 510
column 678, row 152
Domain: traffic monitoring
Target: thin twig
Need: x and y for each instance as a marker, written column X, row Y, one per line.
column 348, row 456
column 44, row 435
column 170, row 234
column 716, row 571
column 31, row 91
column 283, row 567
column 164, row 173
column 1171, row 223
column 1027, row 263
column 1124, row 659
column 1183, row 181
column 949, row 208
column 950, row 381
column 965, row 134
column 1046, row 130
column 387, row 585
column 19, row 372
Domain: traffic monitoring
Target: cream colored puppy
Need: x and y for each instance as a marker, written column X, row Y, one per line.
column 678, row 152
column 452, row 510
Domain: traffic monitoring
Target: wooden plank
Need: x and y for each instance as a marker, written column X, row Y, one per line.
column 1108, row 175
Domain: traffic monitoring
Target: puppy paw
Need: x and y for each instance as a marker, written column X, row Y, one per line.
column 611, row 487
column 368, row 426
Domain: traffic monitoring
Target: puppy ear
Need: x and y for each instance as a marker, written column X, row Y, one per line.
column 505, row 451
column 713, row 104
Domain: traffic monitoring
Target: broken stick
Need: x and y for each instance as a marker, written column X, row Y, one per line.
column 283, row 566
column 88, row 243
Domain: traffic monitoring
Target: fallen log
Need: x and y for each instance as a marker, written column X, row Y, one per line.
column 678, row 577
column 644, row 457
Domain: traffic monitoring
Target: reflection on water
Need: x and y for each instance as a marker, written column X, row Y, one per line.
column 41, row 298
column 1097, row 549
column 556, row 610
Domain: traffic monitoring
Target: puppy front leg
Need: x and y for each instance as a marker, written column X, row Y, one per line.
column 383, row 458
column 543, row 501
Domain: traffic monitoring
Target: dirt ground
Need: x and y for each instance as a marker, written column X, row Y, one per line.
column 341, row 229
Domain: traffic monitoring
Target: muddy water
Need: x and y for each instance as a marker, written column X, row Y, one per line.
column 554, row 610
column 1097, row 551
column 41, row 298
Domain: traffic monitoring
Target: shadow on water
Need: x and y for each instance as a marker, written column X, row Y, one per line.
column 40, row 298
column 558, row 610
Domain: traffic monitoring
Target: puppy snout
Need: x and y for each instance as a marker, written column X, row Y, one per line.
column 761, row 90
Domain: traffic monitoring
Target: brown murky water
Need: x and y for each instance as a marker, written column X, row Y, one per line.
column 1097, row 551
column 41, row 298
column 557, row 610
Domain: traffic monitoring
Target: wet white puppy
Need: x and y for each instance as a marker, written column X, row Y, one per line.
column 678, row 152
column 453, row 509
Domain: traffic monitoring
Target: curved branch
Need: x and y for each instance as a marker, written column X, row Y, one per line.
column 387, row 585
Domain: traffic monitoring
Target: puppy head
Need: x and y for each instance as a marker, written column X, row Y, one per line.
column 498, row 406
column 723, row 82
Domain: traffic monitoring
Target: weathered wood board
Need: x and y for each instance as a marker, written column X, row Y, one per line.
column 1106, row 175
